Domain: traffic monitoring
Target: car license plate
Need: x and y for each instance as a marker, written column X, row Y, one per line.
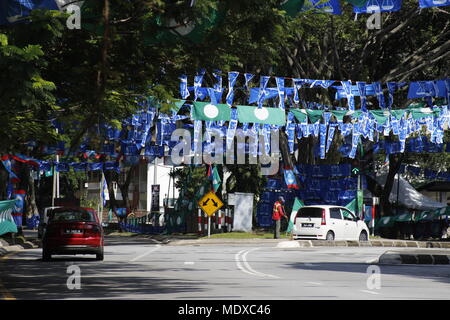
column 308, row 225
column 71, row 231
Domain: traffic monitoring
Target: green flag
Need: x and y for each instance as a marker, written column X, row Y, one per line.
column 249, row 114
column 297, row 205
column 211, row 112
column 216, row 179
column 292, row 7
column 351, row 206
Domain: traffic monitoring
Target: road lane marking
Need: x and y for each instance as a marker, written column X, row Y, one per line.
column 368, row 291
column 244, row 266
column 315, row 283
column 146, row 253
column 190, row 263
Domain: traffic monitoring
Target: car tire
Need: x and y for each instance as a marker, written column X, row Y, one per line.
column 330, row 236
column 99, row 256
column 46, row 255
column 363, row 236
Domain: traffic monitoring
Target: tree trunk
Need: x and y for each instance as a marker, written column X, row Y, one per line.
column 395, row 161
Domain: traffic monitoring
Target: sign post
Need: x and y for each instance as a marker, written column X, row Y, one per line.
column 210, row 204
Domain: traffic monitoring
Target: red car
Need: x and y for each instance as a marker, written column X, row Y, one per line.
column 73, row 231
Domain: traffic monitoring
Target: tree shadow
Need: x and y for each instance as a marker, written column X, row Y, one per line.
column 33, row 279
column 437, row 273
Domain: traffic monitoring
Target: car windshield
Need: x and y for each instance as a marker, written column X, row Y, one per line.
column 73, row 215
column 310, row 213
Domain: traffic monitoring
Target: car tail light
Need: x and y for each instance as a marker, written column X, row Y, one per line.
column 324, row 220
column 92, row 230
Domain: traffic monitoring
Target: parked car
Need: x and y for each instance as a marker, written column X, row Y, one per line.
column 328, row 223
column 73, row 231
column 43, row 220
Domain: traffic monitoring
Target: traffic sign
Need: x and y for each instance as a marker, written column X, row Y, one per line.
column 210, row 203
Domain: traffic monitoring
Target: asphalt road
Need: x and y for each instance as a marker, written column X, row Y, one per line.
column 143, row 269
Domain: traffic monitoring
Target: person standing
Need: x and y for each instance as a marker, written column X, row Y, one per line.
column 277, row 213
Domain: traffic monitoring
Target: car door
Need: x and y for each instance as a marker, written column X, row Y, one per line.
column 337, row 223
column 350, row 225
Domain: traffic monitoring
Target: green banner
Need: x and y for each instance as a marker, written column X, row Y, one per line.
column 211, row 112
column 249, row 114
column 7, row 223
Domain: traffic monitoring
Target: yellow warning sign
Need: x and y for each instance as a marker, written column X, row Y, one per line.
column 210, row 203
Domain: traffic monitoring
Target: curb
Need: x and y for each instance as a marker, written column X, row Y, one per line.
column 6, row 248
column 315, row 243
column 392, row 257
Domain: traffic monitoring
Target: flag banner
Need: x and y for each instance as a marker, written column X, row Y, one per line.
column 289, row 179
column 62, row 167
column 423, row 89
column 92, row 166
column 331, row 6
column 263, row 81
column 249, row 114
column 280, row 90
column 7, row 223
column 433, row 3
column 292, row 7
column 314, row 116
column 12, row 11
column 184, row 92
column 248, row 77
column 379, row 6
column 111, row 165
column 198, row 79
column 295, row 207
column 290, row 130
column 209, row 112
column 19, row 206
column 232, row 77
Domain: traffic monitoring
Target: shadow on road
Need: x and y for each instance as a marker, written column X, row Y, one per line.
column 437, row 273
column 33, row 279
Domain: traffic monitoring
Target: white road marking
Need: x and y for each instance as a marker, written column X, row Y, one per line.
column 146, row 253
column 189, row 262
column 245, row 266
column 315, row 283
column 368, row 291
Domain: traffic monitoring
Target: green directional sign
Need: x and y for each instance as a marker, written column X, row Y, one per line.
column 355, row 171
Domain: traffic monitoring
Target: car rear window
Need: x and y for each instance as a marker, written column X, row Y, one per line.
column 72, row 215
column 309, row 213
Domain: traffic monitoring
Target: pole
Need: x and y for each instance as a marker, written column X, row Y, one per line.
column 398, row 188
column 209, row 226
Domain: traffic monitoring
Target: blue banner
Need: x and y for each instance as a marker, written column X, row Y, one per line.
column 433, row 3
column 379, row 6
column 13, row 11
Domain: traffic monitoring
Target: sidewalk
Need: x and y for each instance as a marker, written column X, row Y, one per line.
column 18, row 243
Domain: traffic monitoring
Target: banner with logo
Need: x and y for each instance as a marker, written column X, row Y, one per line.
column 7, row 223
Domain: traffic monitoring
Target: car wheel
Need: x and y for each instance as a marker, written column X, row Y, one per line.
column 330, row 236
column 46, row 255
column 363, row 236
column 99, row 256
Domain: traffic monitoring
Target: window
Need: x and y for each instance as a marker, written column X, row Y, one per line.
column 72, row 215
column 335, row 213
column 310, row 213
column 347, row 215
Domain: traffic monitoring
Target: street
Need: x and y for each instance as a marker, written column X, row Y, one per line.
column 138, row 268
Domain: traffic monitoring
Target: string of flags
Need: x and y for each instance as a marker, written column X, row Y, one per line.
column 13, row 11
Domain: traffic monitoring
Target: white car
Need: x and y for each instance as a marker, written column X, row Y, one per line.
column 328, row 223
